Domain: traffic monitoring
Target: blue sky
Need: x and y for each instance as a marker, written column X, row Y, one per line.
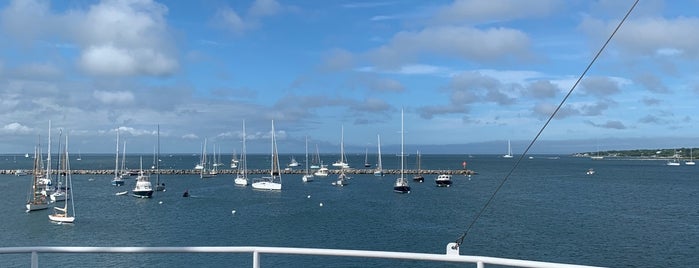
column 469, row 74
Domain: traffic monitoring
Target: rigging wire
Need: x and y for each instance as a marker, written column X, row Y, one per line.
column 461, row 238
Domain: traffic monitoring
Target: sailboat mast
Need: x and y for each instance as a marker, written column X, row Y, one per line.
column 116, row 161
column 244, row 156
column 306, row 155
column 402, row 155
column 48, row 158
column 378, row 138
column 157, row 159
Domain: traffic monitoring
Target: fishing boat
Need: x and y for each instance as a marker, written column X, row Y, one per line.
column 37, row 201
column 379, row 167
column 401, row 185
column 443, row 180
column 118, row 179
column 143, row 188
column 293, row 162
column 65, row 214
column 342, row 163
column 241, row 179
column 418, row 176
column 274, row 181
column 307, row 177
column 509, row 151
column 323, row 171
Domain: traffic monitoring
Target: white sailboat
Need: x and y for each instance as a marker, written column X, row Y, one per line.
column 366, row 158
column 204, row 171
column 234, row 159
column 401, row 185
column 316, row 159
column 124, row 172
column 509, row 151
column 143, row 189
column 65, row 214
column 118, row 179
column 274, row 181
column 342, row 163
column 418, row 177
column 307, row 177
column 293, row 162
column 675, row 161
column 379, row 166
column 37, row 201
column 691, row 159
column 241, row 178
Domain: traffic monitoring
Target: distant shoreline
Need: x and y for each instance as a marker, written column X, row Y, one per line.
column 261, row 171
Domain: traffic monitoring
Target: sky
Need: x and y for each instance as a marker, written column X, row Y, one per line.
column 469, row 75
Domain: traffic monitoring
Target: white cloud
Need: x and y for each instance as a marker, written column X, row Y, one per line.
column 464, row 42
column 190, row 137
column 16, row 128
column 237, row 23
column 477, row 11
column 118, row 97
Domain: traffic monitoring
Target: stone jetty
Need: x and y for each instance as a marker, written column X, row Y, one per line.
column 262, row 171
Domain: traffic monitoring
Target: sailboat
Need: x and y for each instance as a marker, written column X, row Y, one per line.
column 308, row 176
column 274, row 181
column 418, row 177
column 366, row 158
column 61, row 192
column 293, row 162
column 204, row 172
column 401, row 185
column 691, row 159
column 342, row 179
column 242, row 177
column 124, row 172
column 675, row 160
column 143, row 189
column 65, row 214
column 316, row 159
column 342, row 163
column 118, row 180
column 509, row 151
column 234, row 159
column 379, row 167
column 79, row 156
column 37, row 201
column 159, row 186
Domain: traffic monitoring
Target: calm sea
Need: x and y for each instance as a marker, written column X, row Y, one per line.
column 631, row 213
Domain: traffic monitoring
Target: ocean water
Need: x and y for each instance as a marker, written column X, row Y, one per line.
column 631, row 213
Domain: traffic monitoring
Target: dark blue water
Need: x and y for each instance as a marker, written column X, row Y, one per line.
column 629, row 214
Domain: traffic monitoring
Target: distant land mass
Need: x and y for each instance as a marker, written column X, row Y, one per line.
column 645, row 153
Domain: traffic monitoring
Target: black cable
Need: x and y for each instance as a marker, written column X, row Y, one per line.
column 461, row 238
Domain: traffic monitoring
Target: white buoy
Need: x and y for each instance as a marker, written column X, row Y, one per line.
column 309, row 196
column 321, row 204
column 233, row 211
column 160, row 202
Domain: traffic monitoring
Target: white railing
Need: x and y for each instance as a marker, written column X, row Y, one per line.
column 452, row 254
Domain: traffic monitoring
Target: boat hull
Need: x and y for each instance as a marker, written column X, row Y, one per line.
column 307, row 178
column 266, row 185
column 143, row 194
column 37, row 206
column 241, row 182
column 61, row 218
column 419, row 179
column 59, row 196
column 118, row 182
column 401, row 189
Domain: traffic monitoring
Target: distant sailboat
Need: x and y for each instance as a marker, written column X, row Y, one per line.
column 37, row 201
column 342, row 163
column 418, row 177
column 241, row 178
column 691, row 159
column 204, row 171
column 65, row 214
column 118, row 180
column 401, row 185
column 675, row 161
column 274, row 181
column 307, row 177
column 379, row 167
column 159, row 186
column 366, row 158
column 234, row 159
column 509, row 151
column 315, row 163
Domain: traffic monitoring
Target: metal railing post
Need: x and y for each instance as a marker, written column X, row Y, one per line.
column 255, row 259
column 35, row 259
